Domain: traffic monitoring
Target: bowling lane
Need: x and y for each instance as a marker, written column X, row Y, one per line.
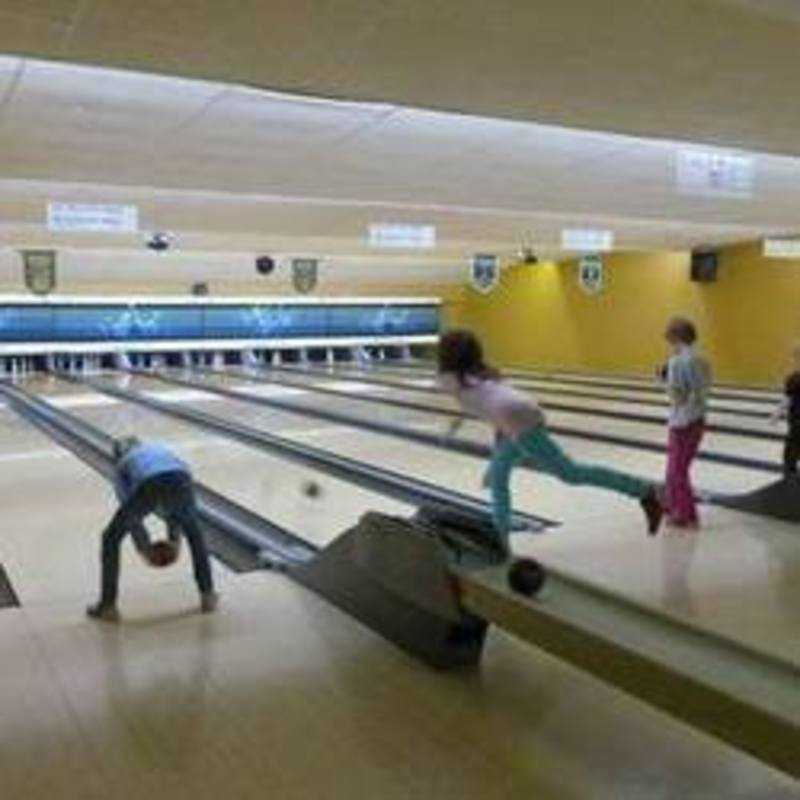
column 722, row 412
column 645, row 394
column 259, row 481
column 738, row 576
column 638, row 406
column 649, row 394
column 710, row 476
column 757, row 394
column 634, row 382
column 54, row 508
column 741, row 418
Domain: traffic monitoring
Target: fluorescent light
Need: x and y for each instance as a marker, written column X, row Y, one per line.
column 587, row 240
column 781, row 248
column 410, row 236
column 92, row 217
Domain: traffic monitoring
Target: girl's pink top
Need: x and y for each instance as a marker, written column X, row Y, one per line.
column 510, row 411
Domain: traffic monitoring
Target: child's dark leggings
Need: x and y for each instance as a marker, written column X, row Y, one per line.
column 791, row 449
column 172, row 493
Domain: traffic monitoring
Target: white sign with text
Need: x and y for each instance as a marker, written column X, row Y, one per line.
column 407, row 236
column 92, row 218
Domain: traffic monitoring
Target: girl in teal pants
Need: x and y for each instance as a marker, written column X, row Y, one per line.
column 521, row 434
column 535, row 446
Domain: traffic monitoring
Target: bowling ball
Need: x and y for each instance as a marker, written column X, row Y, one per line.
column 526, row 576
column 311, row 489
column 162, row 553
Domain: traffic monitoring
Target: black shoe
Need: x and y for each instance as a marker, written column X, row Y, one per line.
column 209, row 602
column 103, row 612
column 653, row 510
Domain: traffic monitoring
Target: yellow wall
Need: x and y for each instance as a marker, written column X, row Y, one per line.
column 748, row 320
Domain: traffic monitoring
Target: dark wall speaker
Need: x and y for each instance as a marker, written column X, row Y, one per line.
column 265, row 265
column 705, row 264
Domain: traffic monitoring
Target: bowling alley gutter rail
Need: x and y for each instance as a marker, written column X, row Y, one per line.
column 236, row 536
column 745, row 698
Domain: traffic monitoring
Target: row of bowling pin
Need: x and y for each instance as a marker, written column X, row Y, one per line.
column 19, row 366
column 16, row 366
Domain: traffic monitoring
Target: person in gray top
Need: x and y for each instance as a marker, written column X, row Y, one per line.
column 688, row 381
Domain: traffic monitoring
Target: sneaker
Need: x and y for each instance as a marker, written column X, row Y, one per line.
column 103, row 612
column 209, row 602
column 653, row 510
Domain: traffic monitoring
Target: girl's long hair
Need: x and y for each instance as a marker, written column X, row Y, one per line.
column 461, row 353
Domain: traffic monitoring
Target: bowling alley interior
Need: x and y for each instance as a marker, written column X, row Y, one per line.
column 399, row 401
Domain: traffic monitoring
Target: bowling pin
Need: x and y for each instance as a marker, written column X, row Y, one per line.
column 249, row 358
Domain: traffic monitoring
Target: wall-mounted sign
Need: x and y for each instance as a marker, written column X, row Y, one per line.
column 305, row 272
column 714, row 173
column 591, row 276
column 782, row 248
column 40, row 270
column 587, row 240
column 92, row 218
column 484, row 273
column 402, row 236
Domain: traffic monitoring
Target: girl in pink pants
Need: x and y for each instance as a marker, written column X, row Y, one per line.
column 688, row 379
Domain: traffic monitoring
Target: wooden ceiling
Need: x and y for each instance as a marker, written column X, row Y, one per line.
column 721, row 71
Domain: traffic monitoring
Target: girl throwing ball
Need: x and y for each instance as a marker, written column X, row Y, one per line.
column 521, row 434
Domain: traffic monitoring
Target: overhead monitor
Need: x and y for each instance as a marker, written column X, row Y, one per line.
column 705, row 264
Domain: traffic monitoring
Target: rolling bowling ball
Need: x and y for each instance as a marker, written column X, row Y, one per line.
column 311, row 489
column 526, row 576
column 163, row 553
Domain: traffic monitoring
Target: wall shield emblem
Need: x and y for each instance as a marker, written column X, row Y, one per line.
column 40, row 270
column 305, row 273
column 591, row 273
column 484, row 272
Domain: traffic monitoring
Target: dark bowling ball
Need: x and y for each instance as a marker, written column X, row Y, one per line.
column 526, row 576
column 312, row 489
column 163, row 553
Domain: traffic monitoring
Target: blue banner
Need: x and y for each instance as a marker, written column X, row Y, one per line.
column 117, row 323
